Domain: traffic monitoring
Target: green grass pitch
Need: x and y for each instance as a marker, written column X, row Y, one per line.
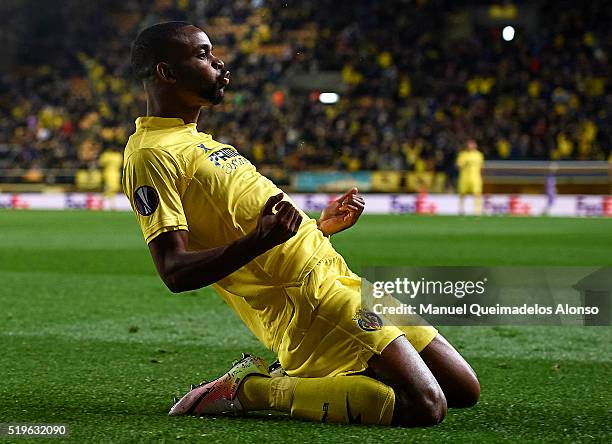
column 90, row 336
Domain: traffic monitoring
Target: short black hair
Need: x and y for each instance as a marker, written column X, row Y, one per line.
column 151, row 47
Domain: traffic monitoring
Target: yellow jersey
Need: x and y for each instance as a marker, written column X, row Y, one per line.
column 177, row 178
column 470, row 163
column 111, row 161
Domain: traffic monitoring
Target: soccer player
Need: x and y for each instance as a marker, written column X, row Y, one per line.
column 469, row 162
column 209, row 218
column 110, row 161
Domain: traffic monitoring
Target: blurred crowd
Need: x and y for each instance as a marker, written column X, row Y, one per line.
column 413, row 87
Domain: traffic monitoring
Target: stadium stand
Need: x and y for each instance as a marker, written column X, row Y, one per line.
column 409, row 96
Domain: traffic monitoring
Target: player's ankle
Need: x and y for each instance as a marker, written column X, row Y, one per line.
column 254, row 393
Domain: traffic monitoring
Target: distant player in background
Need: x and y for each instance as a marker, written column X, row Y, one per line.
column 111, row 161
column 210, row 218
column 469, row 163
column 551, row 189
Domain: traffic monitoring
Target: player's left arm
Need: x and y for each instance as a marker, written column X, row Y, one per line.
column 342, row 213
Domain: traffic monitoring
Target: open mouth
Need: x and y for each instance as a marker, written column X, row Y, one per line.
column 225, row 80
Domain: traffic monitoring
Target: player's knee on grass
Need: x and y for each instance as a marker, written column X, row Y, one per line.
column 428, row 408
column 467, row 392
column 460, row 387
column 455, row 376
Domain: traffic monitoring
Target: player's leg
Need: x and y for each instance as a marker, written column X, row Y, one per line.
column 477, row 191
column 346, row 335
column 112, row 186
column 424, row 385
column 419, row 399
column 247, row 386
column 457, row 379
column 461, row 204
column 407, row 393
column 462, row 189
column 337, row 399
column 415, row 404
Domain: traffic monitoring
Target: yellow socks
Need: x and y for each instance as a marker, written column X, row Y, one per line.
column 339, row 399
column 253, row 393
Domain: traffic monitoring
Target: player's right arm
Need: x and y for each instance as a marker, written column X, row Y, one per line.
column 183, row 270
column 154, row 181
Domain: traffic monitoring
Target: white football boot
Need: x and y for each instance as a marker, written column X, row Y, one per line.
column 221, row 395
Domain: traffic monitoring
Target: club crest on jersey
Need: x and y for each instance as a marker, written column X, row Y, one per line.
column 368, row 321
column 146, row 200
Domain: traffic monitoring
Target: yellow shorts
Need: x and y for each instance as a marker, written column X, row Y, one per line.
column 112, row 183
column 338, row 339
column 468, row 185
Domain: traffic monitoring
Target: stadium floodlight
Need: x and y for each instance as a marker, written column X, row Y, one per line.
column 328, row 98
column 508, row 33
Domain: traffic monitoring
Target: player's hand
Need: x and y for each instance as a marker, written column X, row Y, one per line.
column 342, row 213
column 275, row 228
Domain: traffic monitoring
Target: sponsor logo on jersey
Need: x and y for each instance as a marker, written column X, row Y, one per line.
column 146, row 200
column 225, row 159
column 205, row 148
column 223, row 155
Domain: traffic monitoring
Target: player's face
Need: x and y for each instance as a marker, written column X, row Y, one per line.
column 200, row 76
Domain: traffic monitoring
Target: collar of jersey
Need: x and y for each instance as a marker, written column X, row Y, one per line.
column 161, row 122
